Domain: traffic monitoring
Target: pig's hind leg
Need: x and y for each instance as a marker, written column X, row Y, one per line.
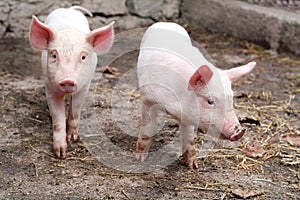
column 188, row 146
column 147, row 130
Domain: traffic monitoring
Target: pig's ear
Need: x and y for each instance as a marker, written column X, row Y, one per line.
column 40, row 34
column 200, row 78
column 237, row 72
column 102, row 38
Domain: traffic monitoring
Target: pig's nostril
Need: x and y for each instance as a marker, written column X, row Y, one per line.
column 237, row 128
column 235, row 137
column 67, row 86
column 238, row 134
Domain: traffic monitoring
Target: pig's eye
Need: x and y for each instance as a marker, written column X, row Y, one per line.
column 210, row 102
column 53, row 56
column 83, row 56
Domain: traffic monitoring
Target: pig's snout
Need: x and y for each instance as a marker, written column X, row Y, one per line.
column 232, row 128
column 67, row 86
column 237, row 134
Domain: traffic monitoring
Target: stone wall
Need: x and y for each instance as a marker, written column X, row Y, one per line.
column 272, row 26
column 272, row 22
column 15, row 15
column 284, row 4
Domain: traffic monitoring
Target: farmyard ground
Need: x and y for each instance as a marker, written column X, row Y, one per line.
column 267, row 103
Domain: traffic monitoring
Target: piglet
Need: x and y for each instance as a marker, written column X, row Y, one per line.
column 174, row 77
column 69, row 60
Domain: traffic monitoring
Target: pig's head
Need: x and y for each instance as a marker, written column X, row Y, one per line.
column 70, row 60
column 212, row 87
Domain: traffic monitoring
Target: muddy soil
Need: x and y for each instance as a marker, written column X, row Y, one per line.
column 102, row 164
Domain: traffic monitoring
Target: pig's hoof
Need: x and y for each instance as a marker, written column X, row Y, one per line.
column 72, row 134
column 60, row 149
column 142, row 148
column 73, row 138
column 190, row 159
column 141, row 156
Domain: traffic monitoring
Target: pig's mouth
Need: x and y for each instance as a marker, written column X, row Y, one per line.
column 237, row 134
column 233, row 135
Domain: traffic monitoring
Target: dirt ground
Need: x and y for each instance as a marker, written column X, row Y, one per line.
column 267, row 103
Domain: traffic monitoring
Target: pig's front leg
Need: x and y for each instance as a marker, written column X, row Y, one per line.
column 148, row 126
column 188, row 146
column 74, row 115
column 56, row 106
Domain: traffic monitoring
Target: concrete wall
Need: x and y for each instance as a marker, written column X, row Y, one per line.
column 15, row 15
column 283, row 4
column 278, row 28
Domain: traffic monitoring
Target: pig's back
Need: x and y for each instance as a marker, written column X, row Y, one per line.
column 171, row 27
column 166, row 35
column 67, row 18
column 169, row 44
